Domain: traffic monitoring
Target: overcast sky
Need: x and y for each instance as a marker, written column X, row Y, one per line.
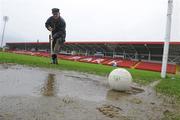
column 91, row 20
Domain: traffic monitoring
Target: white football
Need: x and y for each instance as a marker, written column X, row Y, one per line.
column 120, row 79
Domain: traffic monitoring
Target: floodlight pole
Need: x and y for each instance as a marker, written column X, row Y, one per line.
column 167, row 39
column 5, row 18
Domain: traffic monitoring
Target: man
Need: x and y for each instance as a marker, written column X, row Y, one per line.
column 57, row 26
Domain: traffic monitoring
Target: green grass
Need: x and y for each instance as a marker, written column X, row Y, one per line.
column 45, row 62
column 170, row 86
column 140, row 76
column 167, row 86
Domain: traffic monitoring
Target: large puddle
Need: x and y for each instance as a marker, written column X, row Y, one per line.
column 28, row 93
column 26, row 81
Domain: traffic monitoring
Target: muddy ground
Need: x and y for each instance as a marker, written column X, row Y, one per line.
column 28, row 93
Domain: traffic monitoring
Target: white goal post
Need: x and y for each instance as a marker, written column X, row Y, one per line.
column 167, row 39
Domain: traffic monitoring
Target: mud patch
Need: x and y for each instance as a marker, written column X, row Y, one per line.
column 109, row 110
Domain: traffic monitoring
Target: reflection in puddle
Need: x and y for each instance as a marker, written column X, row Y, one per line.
column 49, row 88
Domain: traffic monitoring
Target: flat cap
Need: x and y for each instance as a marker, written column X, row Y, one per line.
column 55, row 10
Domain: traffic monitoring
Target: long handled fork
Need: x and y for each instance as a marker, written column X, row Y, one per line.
column 51, row 42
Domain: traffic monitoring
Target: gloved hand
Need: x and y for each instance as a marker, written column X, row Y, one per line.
column 50, row 28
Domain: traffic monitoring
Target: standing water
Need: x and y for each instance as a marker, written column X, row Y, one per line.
column 28, row 93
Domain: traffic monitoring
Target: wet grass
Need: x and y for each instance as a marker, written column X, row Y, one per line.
column 167, row 86
column 140, row 76
column 170, row 86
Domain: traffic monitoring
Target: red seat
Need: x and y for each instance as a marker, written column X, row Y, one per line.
column 156, row 67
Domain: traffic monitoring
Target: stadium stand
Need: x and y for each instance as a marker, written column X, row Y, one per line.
column 138, row 55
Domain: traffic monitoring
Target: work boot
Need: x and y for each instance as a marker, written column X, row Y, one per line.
column 53, row 59
column 56, row 60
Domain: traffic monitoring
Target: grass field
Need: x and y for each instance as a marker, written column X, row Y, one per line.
column 167, row 86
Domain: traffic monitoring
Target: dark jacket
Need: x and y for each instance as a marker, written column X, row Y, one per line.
column 59, row 27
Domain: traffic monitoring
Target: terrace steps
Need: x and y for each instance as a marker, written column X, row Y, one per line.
column 133, row 67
